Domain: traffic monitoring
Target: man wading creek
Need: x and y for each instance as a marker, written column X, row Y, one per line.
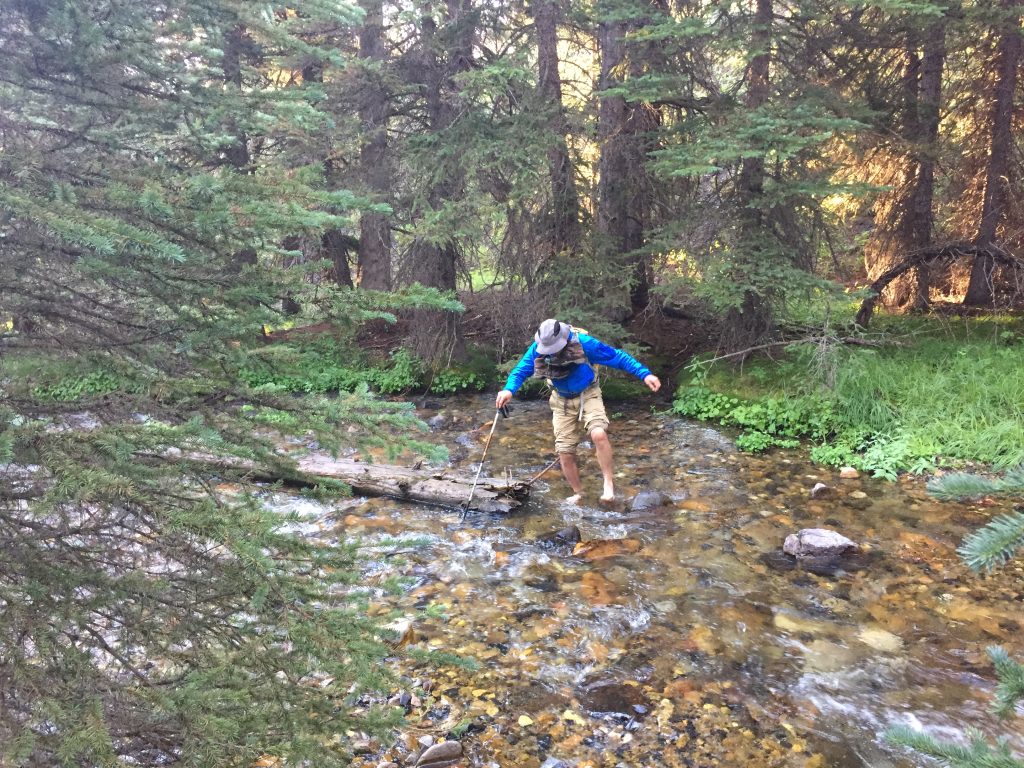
column 566, row 358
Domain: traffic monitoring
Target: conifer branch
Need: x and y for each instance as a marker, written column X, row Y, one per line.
column 995, row 543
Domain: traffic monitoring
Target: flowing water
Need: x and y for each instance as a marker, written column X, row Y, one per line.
column 701, row 647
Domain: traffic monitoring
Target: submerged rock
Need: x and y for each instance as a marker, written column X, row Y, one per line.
column 646, row 500
column 822, row 491
column 598, row 549
column 610, row 696
column 817, row 542
column 566, row 537
column 440, row 754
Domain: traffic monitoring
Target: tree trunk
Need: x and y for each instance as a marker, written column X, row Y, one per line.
column 336, row 248
column 929, row 110
column 980, row 289
column 374, row 265
column 435, row 260
column 237, row 154
column 751, row 322
column 623, row 194
column 564, row 233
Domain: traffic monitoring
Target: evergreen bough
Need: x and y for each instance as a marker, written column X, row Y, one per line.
column 991, row 546
column 148, row 617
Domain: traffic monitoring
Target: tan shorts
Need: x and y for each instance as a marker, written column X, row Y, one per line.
column 567, row 420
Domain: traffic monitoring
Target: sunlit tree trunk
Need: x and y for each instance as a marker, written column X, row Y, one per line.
column 980, row 289
column 929, row 110
column 564, row 234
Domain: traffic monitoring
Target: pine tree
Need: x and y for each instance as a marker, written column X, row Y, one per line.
column 147, row 617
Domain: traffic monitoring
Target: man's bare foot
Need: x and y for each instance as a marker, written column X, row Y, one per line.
column 609, row 493
column 574, row 499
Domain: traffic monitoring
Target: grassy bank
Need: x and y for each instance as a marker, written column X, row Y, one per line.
column 937, row 393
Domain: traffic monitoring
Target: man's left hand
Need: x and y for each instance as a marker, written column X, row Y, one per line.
column 653, row 382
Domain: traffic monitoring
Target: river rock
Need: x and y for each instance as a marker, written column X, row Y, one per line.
column 849, row 473
column 439, row 755
column 822, row 491
column 611, row 696
column 438, row 422
column 817, row 542
column 598, row 549
column 880, row 639
column 566, row 537
column 646, row 500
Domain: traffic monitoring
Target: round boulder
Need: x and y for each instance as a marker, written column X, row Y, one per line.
column 817, row 542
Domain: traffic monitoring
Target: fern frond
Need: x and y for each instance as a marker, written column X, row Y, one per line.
column 995, row 543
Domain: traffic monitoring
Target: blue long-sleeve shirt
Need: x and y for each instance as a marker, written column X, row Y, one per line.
column 582, row 375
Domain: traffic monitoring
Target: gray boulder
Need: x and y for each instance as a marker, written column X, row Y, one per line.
column 817, row 542
column 646, row 500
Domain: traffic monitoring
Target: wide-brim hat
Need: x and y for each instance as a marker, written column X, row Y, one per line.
column 551, row 337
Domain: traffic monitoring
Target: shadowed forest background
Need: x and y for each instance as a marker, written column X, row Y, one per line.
column 231, row 230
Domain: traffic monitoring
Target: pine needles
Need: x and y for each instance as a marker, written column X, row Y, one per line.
column 995, row 543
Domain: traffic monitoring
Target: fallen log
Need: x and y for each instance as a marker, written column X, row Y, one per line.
column 437, row 487
column 425, row 486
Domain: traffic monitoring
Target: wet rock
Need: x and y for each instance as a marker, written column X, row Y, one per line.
column 880, row 639
column 646, row 500
column 849, row 473
column 817, row 542
column 554, row 762
column 440, row 755
column 440, row 421
column 545, row 583
column 598, row 549
column 387, row 765
column 566, row 537
column 822, row 491
column 609, row 696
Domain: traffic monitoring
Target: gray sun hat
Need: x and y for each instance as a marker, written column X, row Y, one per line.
column 551, row 337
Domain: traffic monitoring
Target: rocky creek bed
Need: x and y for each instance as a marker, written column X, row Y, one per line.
column 692, row 643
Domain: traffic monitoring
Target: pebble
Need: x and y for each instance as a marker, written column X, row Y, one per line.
column 857, row 495
column 849, row 473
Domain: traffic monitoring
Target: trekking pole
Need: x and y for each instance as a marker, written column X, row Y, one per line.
column 472, row 491
column 540, row 474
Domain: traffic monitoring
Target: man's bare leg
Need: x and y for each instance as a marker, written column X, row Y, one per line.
column 571, row 471
column 603, row 449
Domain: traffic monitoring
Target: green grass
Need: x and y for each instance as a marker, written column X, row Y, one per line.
column 950, row 393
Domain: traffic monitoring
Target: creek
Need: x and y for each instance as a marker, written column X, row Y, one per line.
column 702, row 647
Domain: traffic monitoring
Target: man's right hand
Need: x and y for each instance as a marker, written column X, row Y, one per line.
column 503, row 399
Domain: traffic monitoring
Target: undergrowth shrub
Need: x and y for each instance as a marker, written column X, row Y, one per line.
column 936, row 402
